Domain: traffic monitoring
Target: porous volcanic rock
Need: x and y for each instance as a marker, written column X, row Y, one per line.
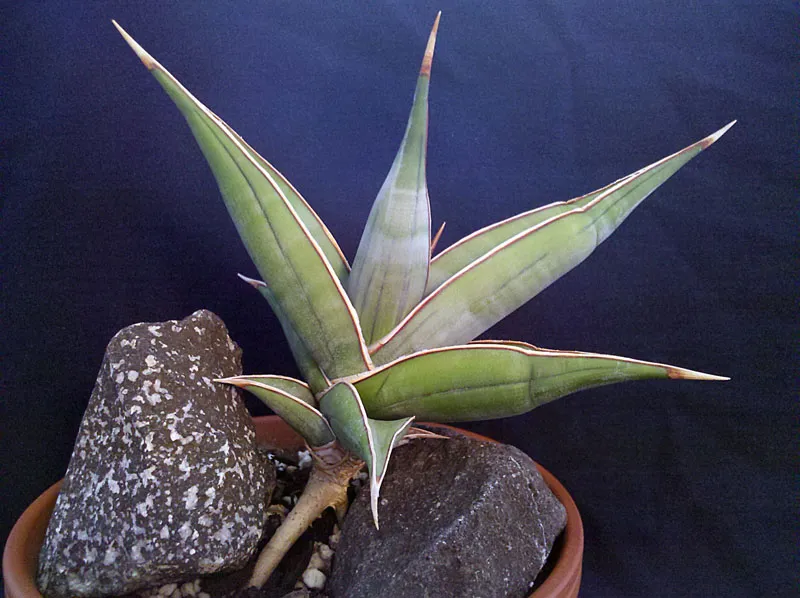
column 164, row 481
column 458, row 517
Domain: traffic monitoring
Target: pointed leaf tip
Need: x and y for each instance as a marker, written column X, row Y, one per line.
column 233, row 381
column 716, row 135
column 146, row 59
column 437, row 237
column 683, row 374
column 427, row 60
column 252, row 281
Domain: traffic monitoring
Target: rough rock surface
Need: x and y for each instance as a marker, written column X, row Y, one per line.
column 458, row 517
column 164, row 480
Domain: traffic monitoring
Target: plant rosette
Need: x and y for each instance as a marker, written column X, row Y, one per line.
column 390, row 339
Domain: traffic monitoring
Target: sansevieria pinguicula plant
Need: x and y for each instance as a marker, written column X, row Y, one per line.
column 390, row 339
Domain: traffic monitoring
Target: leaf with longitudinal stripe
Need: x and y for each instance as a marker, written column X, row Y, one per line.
column 292, row 401
column 391, row 266
column 370, row 439
column 471, row 247
column 316, row 227
column 300, row 277
column 491, row 380
column 494, row 285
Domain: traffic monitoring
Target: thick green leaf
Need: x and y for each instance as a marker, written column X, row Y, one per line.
column 297, row 388
column 292, row 401
column 494, row 285
column 370, row 439
column 301, row 279
column 316, row 227
column 464, row 252
column 391, row 266
column 492, row 380
column 302, row 355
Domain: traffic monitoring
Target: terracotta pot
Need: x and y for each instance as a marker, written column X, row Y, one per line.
column 21, row 554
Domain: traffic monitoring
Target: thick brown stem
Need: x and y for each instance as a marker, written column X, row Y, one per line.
column 327, row 487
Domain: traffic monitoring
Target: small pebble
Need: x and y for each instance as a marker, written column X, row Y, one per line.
column 325, row 552
column 168, row 589
column 314, row 579
column 316, row 562
column 334, row 539
column 304, row 459
column 203, row 595
column 187, row 589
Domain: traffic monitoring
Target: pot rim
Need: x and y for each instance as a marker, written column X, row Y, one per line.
column 21, row 553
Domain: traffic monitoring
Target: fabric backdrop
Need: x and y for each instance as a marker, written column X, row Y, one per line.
column 111, row 216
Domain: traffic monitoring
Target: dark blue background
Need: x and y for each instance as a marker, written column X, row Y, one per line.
column 111, row 217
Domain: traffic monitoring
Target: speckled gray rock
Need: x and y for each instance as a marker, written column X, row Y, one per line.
column 458, row 518
column 164, row 481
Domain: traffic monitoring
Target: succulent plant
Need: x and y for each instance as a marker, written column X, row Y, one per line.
column 391, row 338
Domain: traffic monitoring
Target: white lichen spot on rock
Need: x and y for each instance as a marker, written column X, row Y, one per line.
column 120, row 378
column 150, row 361
column 133, row 375
column 147, row 475
column 110, row 556
column 112, row 483
column 190, row 497
column 185, row 531
column 154, row 330
column 89, row 554
column 224, row 533
column 164, row 533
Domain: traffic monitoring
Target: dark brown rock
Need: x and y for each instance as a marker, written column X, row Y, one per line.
column 458, row 517
column 165, row 482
